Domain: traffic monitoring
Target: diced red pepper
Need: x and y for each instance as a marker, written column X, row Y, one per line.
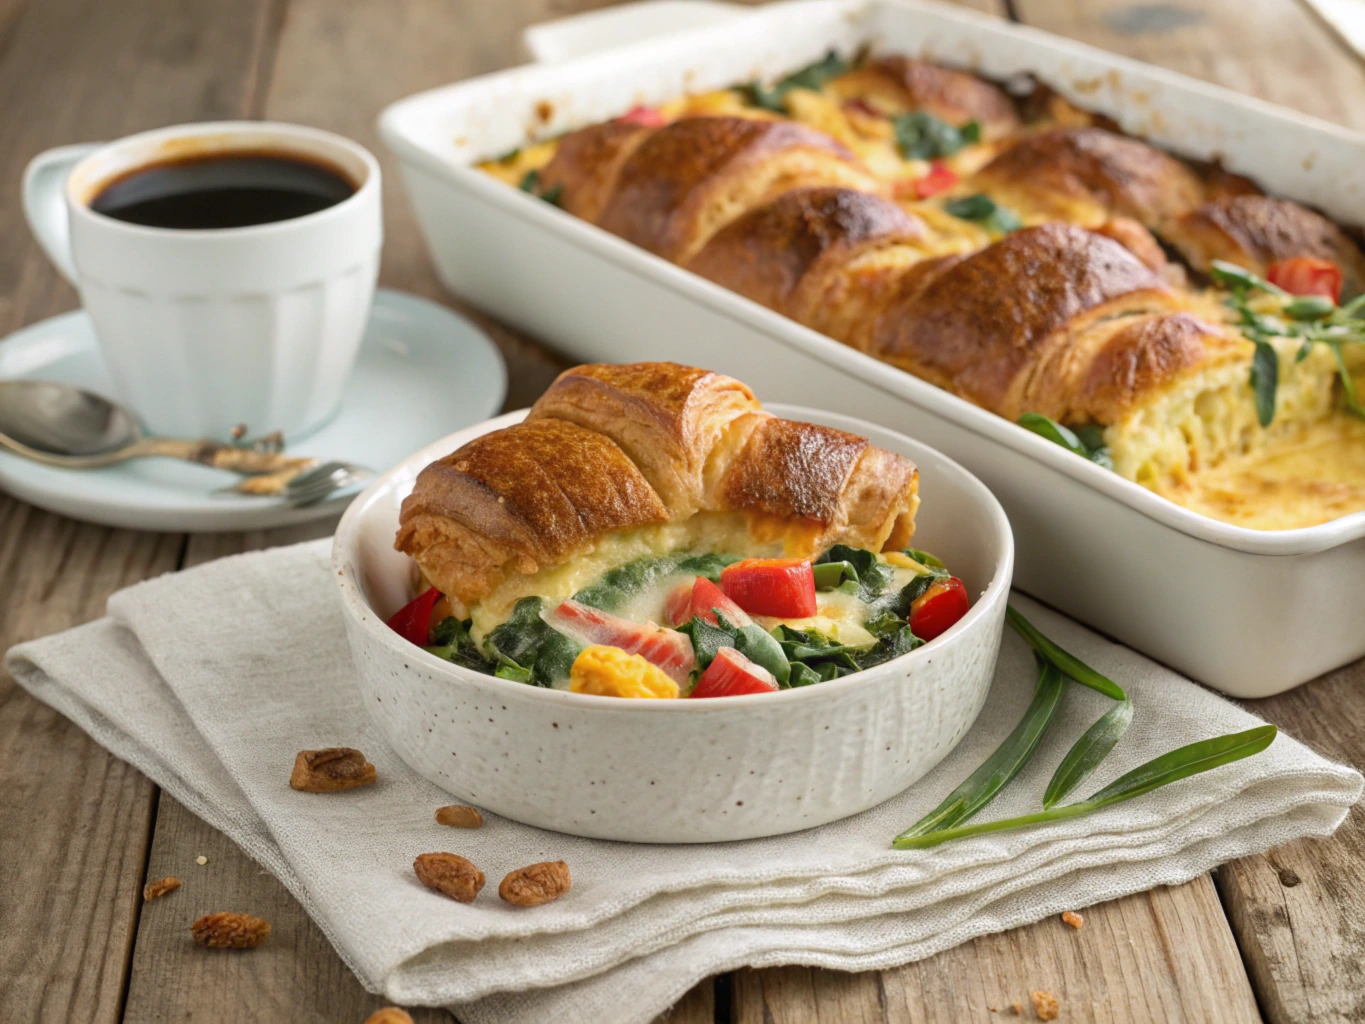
column 646, row 117
column 784, row 587
column 939, row 179
column 413, row 621
column 1304, row 275
column 666, row 648
column 700, row 599
column 934, row 612
column 731, row 674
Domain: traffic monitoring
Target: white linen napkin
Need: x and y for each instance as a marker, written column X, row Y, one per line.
column 211, row 680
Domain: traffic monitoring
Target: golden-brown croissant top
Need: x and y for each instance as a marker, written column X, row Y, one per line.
column 600, row 451
column 671, row 188
column 902, row 83
column 1255, row 231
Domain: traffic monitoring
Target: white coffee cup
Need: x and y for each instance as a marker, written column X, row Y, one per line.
column 206, row 329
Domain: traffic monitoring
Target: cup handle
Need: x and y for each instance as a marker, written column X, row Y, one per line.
column 45, row 202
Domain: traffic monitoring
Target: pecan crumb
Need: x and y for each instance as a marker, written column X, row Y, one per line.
column 459, row 816
column 1074, row 919
column 450, row 874
column 155, row 889
column 535, row 884
column 230, row 931
column 1044, row 1005
column 389, row 1015
column 326, row 771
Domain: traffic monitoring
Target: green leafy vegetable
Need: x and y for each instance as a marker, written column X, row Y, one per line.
column 983, row 784
column 1068, row 663
column 1087, row 753
column 828, row 575
column 1191, row 759
column 924, row 558
column 812, row 76
column 922, row 136
column 889, row 645
column 983, row 210
column 1085, row 442
column 525, row 643
column 451, row 641
column 619, row 585
column 752, row 641
column 530, row 182
column 1309, row 319
column 803, row 675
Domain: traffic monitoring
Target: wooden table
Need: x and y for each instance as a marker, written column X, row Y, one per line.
column 1277, row 938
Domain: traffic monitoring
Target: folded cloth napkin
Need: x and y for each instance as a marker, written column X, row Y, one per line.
column 211, row 680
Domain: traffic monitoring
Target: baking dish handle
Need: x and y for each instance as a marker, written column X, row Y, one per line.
column 606, row 29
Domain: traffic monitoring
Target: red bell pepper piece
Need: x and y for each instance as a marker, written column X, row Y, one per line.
column 666, row 648
column 700, row 599
column 1304, row 275
column 939, row 179
column 413, row 621
column 646, row 117
column 784, row 587
column 934, row 612
column 731, row 674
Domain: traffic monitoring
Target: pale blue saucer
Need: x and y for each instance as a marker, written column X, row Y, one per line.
column 423, row 372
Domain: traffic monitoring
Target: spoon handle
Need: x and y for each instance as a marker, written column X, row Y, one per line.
column 246, row 461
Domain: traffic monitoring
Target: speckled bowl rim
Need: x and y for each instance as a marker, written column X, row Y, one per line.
column 972, row 627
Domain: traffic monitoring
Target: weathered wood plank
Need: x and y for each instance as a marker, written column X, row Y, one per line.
column 1299, row 911
column 73, row 820
column 1162, row 955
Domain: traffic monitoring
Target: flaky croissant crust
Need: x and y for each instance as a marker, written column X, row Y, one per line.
column 610, row 449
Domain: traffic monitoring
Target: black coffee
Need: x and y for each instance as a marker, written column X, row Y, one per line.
column 229, row 191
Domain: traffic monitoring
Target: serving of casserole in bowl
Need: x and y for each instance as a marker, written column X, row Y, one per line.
column 997, row 229
column 651, row 609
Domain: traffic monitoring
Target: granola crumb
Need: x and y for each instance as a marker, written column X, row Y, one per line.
column 1074, row 919
column 230, row 931
column 201, row 860
column 459, row 816
column 389, row 1015
column 1044, row 1005
column 154, row 889
column 330, row 769
column 1017, row 1009
column 449, row 874
column 535, row 884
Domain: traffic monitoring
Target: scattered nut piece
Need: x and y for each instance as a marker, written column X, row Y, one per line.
column 201, row 860
column 1044, row 1005
column 230, row 931
column 450, row 874
column 389, row 1015
column 459, row 816
column 154, row 889
column 535, row 884
column 326, row 771
column 1074, row 919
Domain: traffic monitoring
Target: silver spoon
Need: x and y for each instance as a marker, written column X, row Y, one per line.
column 61, row 425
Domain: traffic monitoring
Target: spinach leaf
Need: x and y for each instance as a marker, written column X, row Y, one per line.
column 870, row 576
column 756, row 644
column 1087, row 442
column 706, row 640
column 922, row 136
column 525, row 643
column 890, row 645
column 453, row 643
column 530, row 182
column 1265, row 380
column 622, row 583
column 803, row 675
column 924, row 558
column 812, row 76
column 984, row 210
column 829, row 575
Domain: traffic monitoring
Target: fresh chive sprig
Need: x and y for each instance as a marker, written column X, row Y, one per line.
column 1068, row 663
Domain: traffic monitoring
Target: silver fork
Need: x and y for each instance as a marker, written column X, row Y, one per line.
column 300, row 487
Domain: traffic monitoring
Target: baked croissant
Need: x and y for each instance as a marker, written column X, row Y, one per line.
column 610, row 451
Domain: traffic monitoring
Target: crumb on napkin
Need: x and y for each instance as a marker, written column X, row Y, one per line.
column 201, row 860
column 330, row 769
column 459, row 816
column 389, row 1015
column 1074, row 919
column 449, row 874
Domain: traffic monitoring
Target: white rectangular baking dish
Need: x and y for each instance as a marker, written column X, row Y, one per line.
column 1251, row 613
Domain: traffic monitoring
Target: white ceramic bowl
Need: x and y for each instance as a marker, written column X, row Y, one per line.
column 680, row 771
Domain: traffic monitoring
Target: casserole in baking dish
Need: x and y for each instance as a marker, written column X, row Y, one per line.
column 1177, row 585
column 1017, row 251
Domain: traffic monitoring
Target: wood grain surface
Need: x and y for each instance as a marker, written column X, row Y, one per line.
column 80, row 832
